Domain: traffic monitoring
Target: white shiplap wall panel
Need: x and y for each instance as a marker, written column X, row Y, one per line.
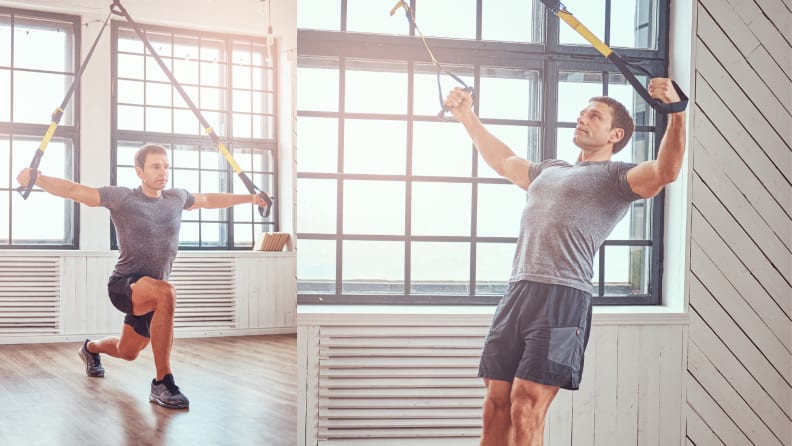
column 733, row 53
column 713, row 151
column 416, row 384
column 207, row 287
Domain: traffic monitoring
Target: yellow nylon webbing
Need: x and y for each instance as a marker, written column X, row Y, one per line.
column 226, row 154
column 583, row 31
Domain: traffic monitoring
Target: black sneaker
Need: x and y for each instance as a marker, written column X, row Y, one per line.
column 166, row 393
column 93, row 365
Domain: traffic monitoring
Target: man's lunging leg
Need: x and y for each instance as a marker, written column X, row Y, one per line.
column 530, row 402
column 496, row 415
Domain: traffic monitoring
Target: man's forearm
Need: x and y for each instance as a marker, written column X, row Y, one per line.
column 672, row 147
column 222, row 200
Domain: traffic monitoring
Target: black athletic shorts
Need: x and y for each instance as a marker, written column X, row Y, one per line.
column 539, row 332
column 120, row 290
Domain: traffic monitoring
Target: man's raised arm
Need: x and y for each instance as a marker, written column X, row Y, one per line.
column 648, row 178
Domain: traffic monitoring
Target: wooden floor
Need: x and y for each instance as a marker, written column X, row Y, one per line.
column 241, row 390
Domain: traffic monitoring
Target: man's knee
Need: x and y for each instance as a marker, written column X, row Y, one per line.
column 530, row 402
column 497, row 402
column 166, row 297
column 129, row 353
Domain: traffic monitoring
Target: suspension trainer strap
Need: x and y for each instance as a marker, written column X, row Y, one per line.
column 438, row 67
column 56, row 117
column 118, row 9
column 557, row 8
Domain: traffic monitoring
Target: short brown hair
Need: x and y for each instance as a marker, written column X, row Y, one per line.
column 621, row 120
column 143, row 152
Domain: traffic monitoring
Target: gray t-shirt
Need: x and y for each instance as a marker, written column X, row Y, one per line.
column 569, row 212
column 147, row 228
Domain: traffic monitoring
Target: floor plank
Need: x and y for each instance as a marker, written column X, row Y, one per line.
column 241, row 390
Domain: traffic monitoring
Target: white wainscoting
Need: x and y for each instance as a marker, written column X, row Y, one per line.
column 54, row 296
column 407, row 376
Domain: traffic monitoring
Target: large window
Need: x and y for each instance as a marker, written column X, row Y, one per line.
column 232, row 81
column 37, row 67
column 394, row 204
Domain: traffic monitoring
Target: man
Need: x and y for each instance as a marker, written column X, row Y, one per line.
column 540, row 329
column 147, row 221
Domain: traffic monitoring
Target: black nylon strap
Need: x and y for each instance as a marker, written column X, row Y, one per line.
column 57, row 115
column 660, row 107
column 118, row 9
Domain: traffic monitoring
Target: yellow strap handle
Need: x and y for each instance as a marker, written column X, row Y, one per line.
column 583, row 31
column 226, row 154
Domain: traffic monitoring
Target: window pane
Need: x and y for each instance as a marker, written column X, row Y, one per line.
column 5, row 42
column 244, row 234
column 130, row 92
column 642, row 15
column 242, row 76
column 500, row 207
column 158, row 94
column 33, row 35
column 512, row 20
column 316, row 266
column 592, row 15
column 441, row 149
column 374, row 207
column 493, row 267
column 524, row 141
column 373, row 17
column 373, row 267
column 376, row 88
column 566, row 150
column 317, row 88
column 5, row 91
column 158, row 120
column 130, row 118
column 213, row 234
column 45, row 221
column 37, row 94
column 440, row 268
column 5, row 170
column 441, row 209
column 627, row 270
column 130, row 66
column 185, row 70
column 5, row 207
column 185, row 122
column 317, row 141
column 375, row 146
column 434, row 18
column 319, row 14
column 316, row 208
column 242, row 125
column 509, row 94
column 189, row 232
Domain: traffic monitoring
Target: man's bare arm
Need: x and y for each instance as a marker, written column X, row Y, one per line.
column 494, row 152
column 648, row 178
column 222, row 200
column 60, row 187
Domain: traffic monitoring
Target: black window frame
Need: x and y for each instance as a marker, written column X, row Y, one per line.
column 550, row 58
column 64, row 131
column 268, row 147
